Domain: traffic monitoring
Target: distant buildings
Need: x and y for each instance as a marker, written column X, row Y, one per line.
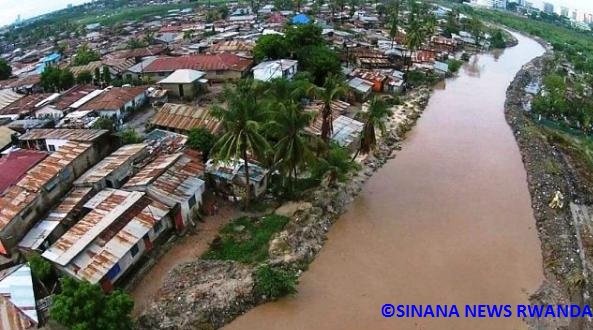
column 548, row 8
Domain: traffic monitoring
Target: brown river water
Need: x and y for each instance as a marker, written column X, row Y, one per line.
column 448, row 221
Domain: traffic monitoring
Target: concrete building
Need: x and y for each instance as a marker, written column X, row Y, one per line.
column 118, row 229
column 218, row 67
column 184, row 83
column 117, row 102
column 548, row 8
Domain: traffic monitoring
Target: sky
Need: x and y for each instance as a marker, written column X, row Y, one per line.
column 10, row 9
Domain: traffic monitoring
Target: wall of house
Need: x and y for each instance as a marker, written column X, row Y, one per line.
column 49, row 112
column 189, row 90
column 220, row 76
column 55, row 143
column 129, row 259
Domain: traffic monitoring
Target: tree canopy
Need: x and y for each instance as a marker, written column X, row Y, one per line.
column 85, row 55
column 82, row 305
column 5, row 70
column 54, row 79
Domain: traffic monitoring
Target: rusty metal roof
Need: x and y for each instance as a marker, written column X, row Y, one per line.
column 71, row 134
column 180, row 181
column 41, row 231
column 121, row 157
column 52, row 165
column 16, row 198
column 118, row 220
column 338, row 108
column 185, row 117
column 151, row 171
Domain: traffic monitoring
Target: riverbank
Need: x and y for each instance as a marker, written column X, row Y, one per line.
column 207, row 294
column 552, row 167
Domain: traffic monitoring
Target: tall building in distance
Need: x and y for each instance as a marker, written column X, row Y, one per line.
column 490, row 3
column 575, row 15
column 499, row 4
column 564, row 11
column 548, row 8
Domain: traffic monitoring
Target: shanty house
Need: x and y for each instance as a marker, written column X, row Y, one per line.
column 114, row 169
column 173, row 180
column 52, row 139
column 117, row 102
column 229, row 177
column 119, row 228
column 181, row 118
column 266, row 71
column 21, row 205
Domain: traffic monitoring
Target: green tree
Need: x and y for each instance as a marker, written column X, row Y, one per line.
column 242, row 121
column 84, row 306
column 201, row 139
column 333, row 88
column 106, row 75
column 54, row 79
column 394, row 21
column 84, row 77
column 373, row 118
column 476, row 27
column 292, row 152
column 130, row 136
column 104, row 123
column 452, row 23
column 334, row 166
column 5, row 70
column 40, row 267
column 97, row 76
column 85, row 55
column 299, row 36
column 134, row 43
column 319, row 61
column 271, row 47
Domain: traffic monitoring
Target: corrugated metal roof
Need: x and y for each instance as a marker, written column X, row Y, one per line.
column 180, row 181
column 16, row 198
column 7, row 96
column 338, row 107
column 80, row 135
column 17, row 299
column 41, row 231
column 151, row 171
column 52, row 165
column 111, row 163
column 202, row 62
column 185, row 117
column 118, row 220
column 346, row 130
column 114, row 98
column 24, row 106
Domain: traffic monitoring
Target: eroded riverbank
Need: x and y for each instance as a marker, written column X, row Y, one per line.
column 448, row 221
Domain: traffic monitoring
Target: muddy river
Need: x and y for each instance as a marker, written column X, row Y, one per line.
column 448, row 221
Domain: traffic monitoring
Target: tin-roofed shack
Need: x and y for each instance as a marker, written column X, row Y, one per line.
column 229, row 177
column 180, row 118
column 21, row 205
column 18, row 310
column 51, row 139
column 120, row 227
column 175, row 181
column 114, row 169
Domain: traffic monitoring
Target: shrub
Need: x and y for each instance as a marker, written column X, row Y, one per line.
column 275, row 282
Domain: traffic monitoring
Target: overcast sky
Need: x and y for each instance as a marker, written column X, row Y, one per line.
column 10, row 9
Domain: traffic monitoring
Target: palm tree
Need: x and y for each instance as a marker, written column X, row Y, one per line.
column 414, row 37
column 373, row 118
column 333, row 88
column 394, row 22
column 242, row 125
column 292, row 151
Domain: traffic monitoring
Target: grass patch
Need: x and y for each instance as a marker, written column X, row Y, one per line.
column 454, row 65
column 274, row 282
column 246, row 239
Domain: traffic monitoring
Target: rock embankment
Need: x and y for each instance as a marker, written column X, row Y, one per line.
column 551, row 174
column 206, row 294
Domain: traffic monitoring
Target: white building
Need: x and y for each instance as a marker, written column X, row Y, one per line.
column 266, row 71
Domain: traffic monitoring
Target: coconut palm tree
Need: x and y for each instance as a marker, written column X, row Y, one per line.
column 242, row 120
column 333, row 88
column 394, row 22
column 291, row 151
column 414, row 37
column 373, row 118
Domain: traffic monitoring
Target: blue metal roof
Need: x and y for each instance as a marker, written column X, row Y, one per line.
column 301, row 19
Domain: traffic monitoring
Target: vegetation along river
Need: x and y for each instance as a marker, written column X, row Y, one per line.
column 448, row 221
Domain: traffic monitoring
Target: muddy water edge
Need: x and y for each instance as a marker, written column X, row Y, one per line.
column 449, row 221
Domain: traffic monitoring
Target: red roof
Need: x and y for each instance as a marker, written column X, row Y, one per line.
column 203, row 62
column 16, row 164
